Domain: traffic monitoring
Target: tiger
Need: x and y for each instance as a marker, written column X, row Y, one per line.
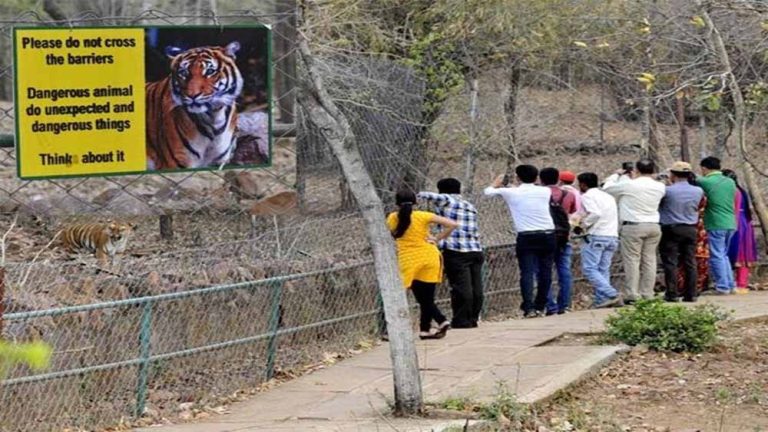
column 104, row 239
column 191, row 113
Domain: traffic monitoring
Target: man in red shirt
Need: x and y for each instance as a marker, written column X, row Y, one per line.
column 560, row 303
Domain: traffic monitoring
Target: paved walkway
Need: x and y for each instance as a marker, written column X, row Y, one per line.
column 355, row 394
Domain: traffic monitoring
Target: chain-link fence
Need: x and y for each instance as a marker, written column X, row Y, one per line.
column 234, row 277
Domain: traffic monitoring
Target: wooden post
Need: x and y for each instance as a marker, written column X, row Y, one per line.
column 285, row 59
column 166, row 227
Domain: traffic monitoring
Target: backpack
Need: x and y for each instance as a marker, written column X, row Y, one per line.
column 561, row 220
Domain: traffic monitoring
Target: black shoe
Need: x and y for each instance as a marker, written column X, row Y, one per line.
column 474, row 324
column 461, row 325
column 629, row 302
column 671, row 299
column 690, row 300
column 550, row 313
column 531, row 314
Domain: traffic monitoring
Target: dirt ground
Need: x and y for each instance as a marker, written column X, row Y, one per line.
column 725, row 390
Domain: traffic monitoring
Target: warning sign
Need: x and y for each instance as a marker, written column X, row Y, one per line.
column 80, row 101
column 106, row 101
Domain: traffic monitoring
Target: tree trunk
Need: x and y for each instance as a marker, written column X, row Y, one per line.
column 702, row 136
column 739, row 118
column 322, row 111
column 469, row 169
column 51, row 7
column 284, row 42
column 685, row 151
column 510, row 114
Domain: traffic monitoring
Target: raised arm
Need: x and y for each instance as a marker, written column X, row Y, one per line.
column 497, row 188
column 615, row 184
column 436, row 198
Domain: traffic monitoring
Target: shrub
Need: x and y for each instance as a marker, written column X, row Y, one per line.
column 36, row 355
column 665, row 327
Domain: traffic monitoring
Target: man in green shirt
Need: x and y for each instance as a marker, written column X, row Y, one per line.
column 719, row 221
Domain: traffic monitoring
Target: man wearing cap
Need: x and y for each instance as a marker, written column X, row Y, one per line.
column 567, row 179
column 679, row 216
column 638, row 200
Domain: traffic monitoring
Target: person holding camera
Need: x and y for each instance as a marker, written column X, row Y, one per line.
column 638, row 195
column 535, row 247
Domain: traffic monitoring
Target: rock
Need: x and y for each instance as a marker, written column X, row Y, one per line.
column 202, row 415
column 9, row 206
column 126, row 204
column 150, row 413
column 186, row 406
column 242, row 184
column 185, row 415
column 105, row 197
column 253, row 141
column 154, row 280
column 162, row 395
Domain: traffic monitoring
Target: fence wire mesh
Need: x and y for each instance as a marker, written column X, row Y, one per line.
column 236, row 277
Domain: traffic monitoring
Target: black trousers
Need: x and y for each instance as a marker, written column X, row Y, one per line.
column 535, row 256
column 425, row 296
column 678, row 245
column 465, row 274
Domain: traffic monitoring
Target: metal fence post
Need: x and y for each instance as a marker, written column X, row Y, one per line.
column 274, row 325
column 485, row 272
column 145, row 335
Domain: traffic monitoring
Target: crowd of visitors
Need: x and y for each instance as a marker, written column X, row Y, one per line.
column 701, row 226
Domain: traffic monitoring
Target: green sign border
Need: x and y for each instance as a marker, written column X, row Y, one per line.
column 270, row 106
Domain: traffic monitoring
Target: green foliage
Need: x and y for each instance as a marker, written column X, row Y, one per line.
column 36, row 355
column 457, row 404
column 504, row 407
column 665, row 327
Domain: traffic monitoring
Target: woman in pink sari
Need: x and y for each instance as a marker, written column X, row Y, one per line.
column 743, row 249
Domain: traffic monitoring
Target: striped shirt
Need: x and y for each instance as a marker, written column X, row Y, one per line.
column 465, row 238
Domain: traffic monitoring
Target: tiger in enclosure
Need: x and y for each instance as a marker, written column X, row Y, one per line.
column 104, row 239
column 191, row 113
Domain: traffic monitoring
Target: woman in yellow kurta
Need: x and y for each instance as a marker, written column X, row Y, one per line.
column 421, row 267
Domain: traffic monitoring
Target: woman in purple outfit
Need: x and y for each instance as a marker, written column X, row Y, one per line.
column 743, row 249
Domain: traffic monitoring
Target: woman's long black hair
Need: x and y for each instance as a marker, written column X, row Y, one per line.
column 405, row 199
column 732, row 175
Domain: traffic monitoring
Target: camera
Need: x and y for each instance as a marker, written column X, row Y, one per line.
column 505, row 180
column 627, row 167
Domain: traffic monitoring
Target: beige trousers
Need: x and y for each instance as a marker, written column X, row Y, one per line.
column 639, row 246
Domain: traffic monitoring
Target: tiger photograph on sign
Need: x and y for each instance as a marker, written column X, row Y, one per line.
column 207, row 98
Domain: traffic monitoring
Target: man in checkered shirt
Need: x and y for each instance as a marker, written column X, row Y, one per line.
column 462, row 252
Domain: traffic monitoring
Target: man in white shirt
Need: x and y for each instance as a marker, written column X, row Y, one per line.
column 600, row 222
column 638, row 198
column 535, row 246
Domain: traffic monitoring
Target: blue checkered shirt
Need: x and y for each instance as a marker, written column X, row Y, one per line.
column 465, row 238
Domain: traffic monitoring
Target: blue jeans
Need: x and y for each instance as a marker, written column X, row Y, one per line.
column 559, row 303
column 596, row 256
column 535, row 253
column 719, row 264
